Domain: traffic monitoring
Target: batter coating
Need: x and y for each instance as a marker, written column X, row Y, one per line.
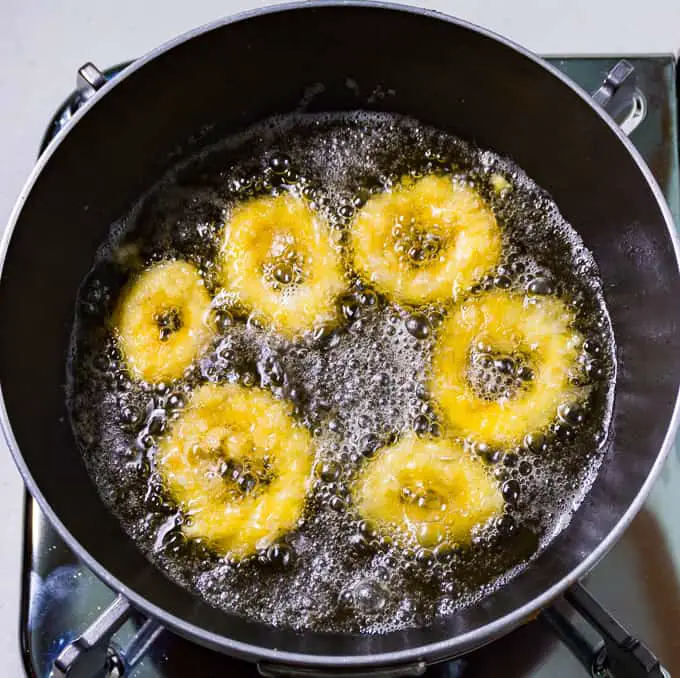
column 426, row 240
column 426, row 492
column 239, row 466
column 163, row 321
column 538, row 331
column 278, row 259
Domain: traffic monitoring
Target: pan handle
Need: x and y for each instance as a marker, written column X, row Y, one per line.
column 86, row 655
column 615, row 653
column 92, row 652
column 619, row 96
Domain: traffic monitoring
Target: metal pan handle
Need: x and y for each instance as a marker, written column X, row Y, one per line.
column 93, row 652
column 620, row 97
column 616, row 653
column 86, row 655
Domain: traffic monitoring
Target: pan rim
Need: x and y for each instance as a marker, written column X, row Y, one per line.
column 440, row 649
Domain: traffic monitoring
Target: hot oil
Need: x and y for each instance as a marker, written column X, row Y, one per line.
column 356, row 386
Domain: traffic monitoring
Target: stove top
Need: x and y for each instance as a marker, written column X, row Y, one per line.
column 638, row 582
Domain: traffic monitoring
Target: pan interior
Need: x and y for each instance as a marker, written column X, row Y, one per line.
column 359, row 385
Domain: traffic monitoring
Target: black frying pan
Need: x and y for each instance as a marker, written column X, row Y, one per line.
column 233, row 73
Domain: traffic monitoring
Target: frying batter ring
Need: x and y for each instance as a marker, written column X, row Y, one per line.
column 425, row 241
column 426, row 492
column 278, row 259
column 162, row 321
column 540, row 329
column 239, row 466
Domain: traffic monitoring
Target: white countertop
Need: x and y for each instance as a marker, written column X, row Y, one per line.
column 42, row 43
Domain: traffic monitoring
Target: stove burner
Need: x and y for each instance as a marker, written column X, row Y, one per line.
column 61, row 596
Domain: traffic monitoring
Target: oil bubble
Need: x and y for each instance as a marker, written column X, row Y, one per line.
column 328, row 471
column 280, row 554
column 279, row 163
column 370, row 596
column 418, row 325
column 511, row 490
column 541, row 286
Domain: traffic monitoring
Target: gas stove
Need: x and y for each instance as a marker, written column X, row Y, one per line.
column 638, row 582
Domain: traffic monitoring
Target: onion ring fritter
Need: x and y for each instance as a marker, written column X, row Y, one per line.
column 538, row 330
column 425, row 241
column 278, row 259
column 426, row 492
column 163, row 321
column 239, row 466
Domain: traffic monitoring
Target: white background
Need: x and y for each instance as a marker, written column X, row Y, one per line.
column 43, row 42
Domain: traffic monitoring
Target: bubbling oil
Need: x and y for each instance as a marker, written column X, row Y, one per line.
column 356, row 385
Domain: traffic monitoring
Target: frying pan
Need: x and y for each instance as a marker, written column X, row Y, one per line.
column 235, row 72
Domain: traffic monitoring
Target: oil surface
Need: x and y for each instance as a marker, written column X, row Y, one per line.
column 355, row 386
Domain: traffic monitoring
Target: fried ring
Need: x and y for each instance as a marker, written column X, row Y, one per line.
column 426, row 492
column 239, row 466
column 425, row 241
column 278, row 259
column 163, row 321
column 540, row 331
